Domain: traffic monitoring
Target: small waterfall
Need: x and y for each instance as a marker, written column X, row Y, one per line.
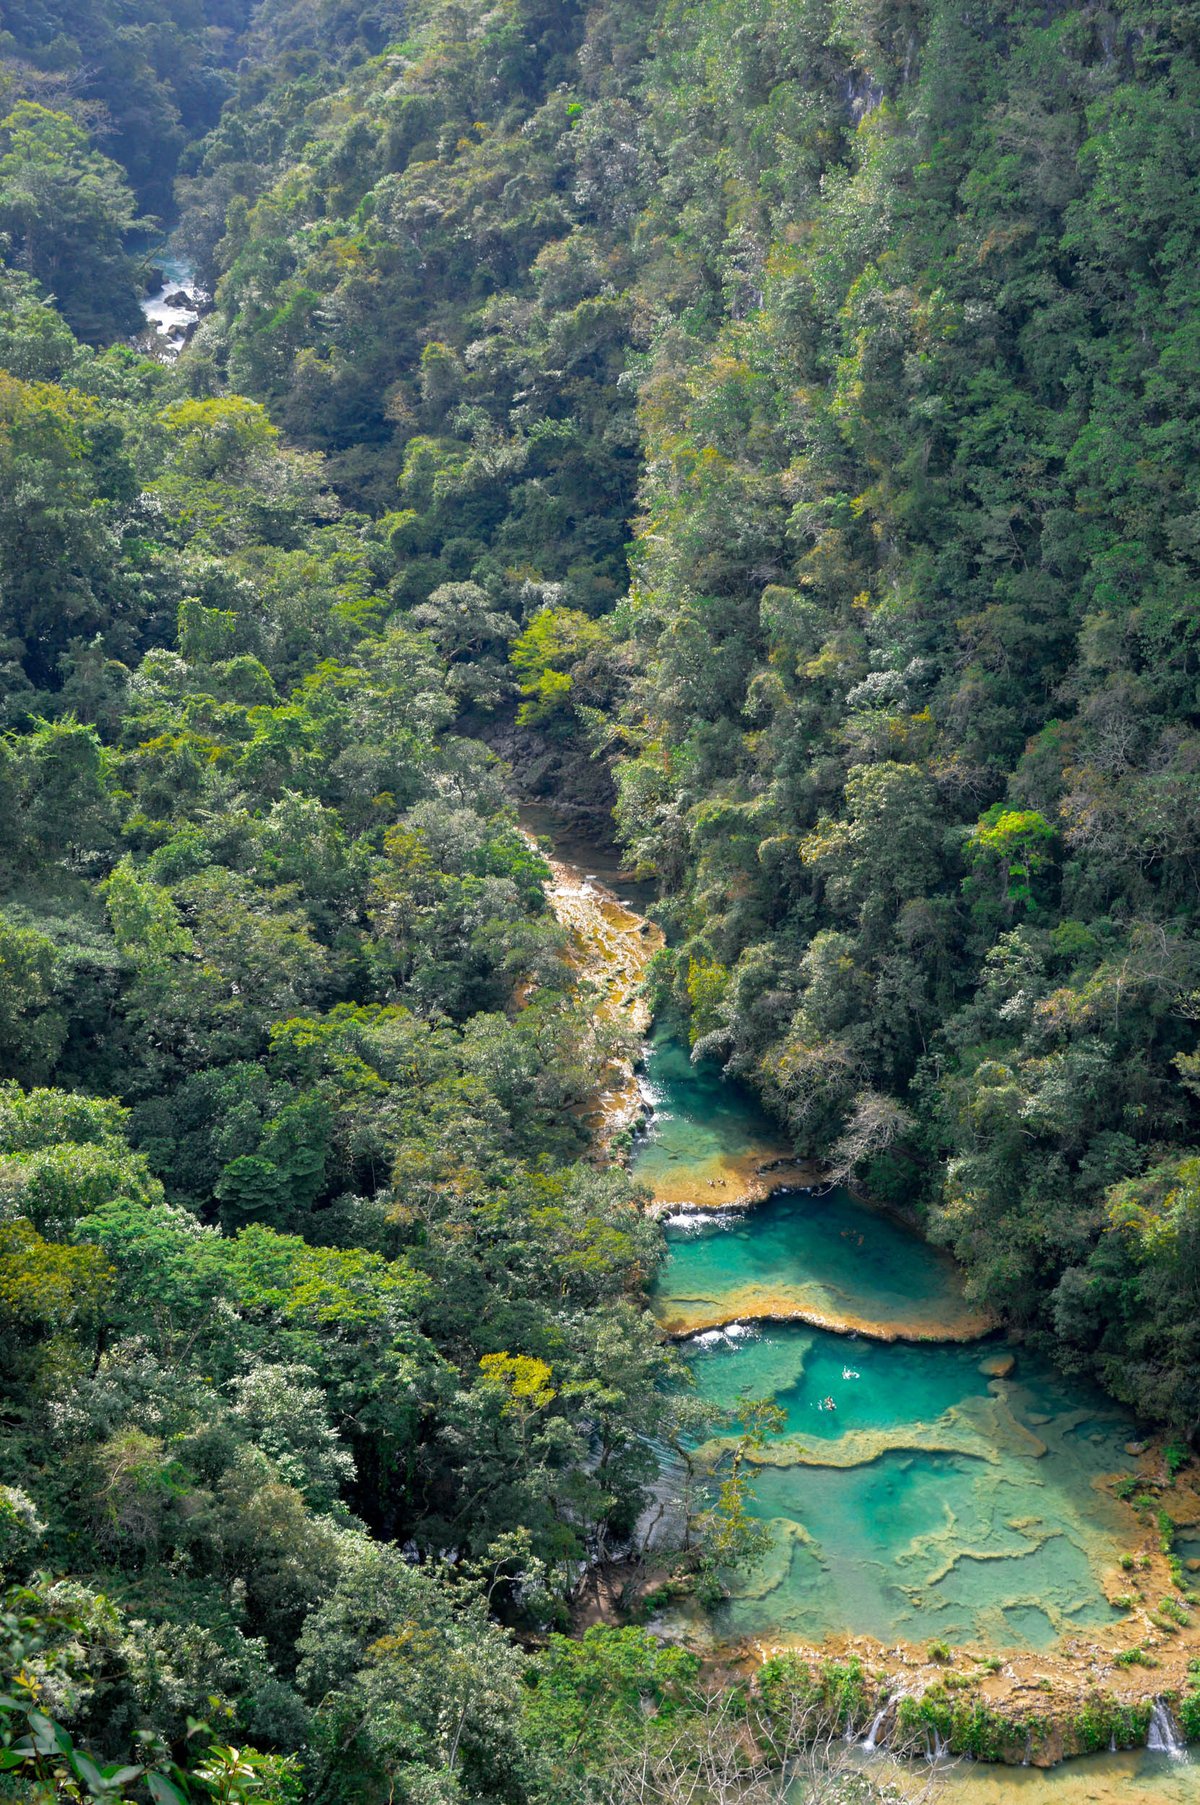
column 1163, row 1736
column 871, row 1741
column 940, row 1749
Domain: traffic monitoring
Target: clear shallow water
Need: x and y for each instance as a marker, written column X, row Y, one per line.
column 589, row 856
column 816, row 1255
column 1002, row 1544
column 1135, row 1778
column 935, row 1502
column 704, row 1130
column 938, row 1500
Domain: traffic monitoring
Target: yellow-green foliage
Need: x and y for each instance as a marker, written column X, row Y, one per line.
column 46, row 1283
column 525, row 1379
column 554, row 639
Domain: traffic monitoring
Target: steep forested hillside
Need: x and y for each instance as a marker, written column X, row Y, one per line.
column 290, row 1120
column 913, row 641
column 888, row 313
column 778, row 419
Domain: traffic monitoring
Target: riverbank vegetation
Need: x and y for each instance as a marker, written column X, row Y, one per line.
column 778, row 418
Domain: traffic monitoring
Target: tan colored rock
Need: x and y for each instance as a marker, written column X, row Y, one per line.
column 951, row 1319
column 611, row 949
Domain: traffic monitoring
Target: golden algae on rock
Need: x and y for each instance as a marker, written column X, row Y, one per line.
column 857, row 1447
column 683, row 1316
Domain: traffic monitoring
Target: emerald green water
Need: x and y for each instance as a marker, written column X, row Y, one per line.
column 819, row 1256
column 946, row 1497
column 937, row 1500
column 703, row 1127
column 961, row 1507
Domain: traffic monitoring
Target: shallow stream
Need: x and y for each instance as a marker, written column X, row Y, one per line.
column 1136, row 1777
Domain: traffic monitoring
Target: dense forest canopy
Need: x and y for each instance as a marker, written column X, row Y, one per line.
column 776, row 420
column 864, row 337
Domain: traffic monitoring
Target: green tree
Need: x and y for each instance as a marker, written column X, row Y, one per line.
column 32, row 1027
column 416, row 1690
column 68, row 213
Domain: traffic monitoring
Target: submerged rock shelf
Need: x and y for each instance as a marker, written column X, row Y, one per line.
column 935, row 1501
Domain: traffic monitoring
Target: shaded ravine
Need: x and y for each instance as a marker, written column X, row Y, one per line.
column 920, row 1487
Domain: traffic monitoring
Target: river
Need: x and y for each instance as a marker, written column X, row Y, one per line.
column 933, row 1485
column 172, row 308
column 929, row 1480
